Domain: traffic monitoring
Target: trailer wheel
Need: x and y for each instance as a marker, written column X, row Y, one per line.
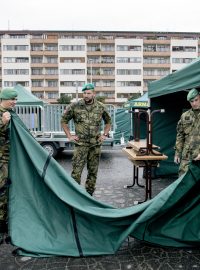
column 50, row 148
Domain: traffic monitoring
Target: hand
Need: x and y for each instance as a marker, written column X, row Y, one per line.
column 198, row 157
column 102, row 138
column 73, row 138
column 6, row 117
column 177, row 159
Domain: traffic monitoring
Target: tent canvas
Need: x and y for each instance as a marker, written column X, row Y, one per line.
column 141, row 102
column 25, row 97
column 50, row 214
column 170, row 93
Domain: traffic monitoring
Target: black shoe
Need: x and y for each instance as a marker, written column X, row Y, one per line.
column 4, row 238
column 90, row 192
column 3, row 226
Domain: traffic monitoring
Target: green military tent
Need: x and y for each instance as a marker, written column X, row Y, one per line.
column 25, row 97
column 141, row 102
column 170, row 94
column 51, row 215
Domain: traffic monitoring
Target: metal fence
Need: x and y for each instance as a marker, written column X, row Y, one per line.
column 47, row 118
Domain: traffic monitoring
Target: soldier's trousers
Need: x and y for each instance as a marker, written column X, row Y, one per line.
column 3, row 191
column 183, row 166
column 91, row 156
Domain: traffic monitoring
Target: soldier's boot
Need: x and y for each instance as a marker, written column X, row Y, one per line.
column 1, row 238
column 90, row 192
column 4, row 238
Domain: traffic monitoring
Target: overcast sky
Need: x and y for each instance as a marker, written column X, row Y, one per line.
column 102, row 15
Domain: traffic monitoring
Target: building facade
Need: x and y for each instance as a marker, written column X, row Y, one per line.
column 120, row 64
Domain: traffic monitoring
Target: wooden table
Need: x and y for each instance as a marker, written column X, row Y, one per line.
column 134, row 151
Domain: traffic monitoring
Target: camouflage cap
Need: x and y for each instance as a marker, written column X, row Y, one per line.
column 88, row 86
column 192, row 94
column 8, row 93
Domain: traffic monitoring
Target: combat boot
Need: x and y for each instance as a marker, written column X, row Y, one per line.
column 1, row 238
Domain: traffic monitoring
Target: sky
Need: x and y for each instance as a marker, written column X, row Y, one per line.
column 101, row 15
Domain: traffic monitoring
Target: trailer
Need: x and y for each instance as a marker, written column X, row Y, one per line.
column 44, row 124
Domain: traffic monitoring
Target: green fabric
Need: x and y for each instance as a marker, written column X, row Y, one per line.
column 25, row 97
column 182, row 79
column 8, row 93
column 141, row 102
column 50, row 214
column 170, row 93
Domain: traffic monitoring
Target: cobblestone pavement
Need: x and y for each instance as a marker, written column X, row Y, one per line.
column 115, row 171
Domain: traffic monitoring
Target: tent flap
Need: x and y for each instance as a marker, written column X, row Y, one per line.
column 50, row 214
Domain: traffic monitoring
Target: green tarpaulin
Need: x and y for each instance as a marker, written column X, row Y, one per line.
column 25, row 97
column 50, row 214
column 170, row 93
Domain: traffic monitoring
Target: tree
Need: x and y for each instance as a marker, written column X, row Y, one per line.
column 134, row 96
column 101, row 98
column 64, row 99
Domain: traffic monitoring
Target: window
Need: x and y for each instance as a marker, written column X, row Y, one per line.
column 15, row 47
column 37, row 83
column 51, row 60
column 128, row 48
column 51, row 47
column 72, row 48
column 51, row 71
column 16, row 59
column 16, row 71
column 37, row 71
column 128, row 71
column 36, row 59
column 182, row 60
column 128, row 83
column 14, row 83
column 52, row 95
column 36, row 47
column 129, row 59
column 52, row 83
column 72, row 71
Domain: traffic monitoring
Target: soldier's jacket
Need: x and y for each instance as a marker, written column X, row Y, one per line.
column 87, row 120
column 188, row 135
column 4, row 139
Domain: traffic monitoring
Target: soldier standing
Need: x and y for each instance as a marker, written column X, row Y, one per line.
column 87, row 115
column 8, row 98
column 188, row 137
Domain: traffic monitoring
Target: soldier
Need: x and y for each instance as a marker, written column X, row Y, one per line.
column 8, row 99
column 188, row 137
column 87, row 115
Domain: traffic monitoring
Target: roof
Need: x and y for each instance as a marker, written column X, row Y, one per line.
column 181, row 80
column 25, row 97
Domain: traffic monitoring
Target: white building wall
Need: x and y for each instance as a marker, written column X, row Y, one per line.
column 129, row 54
column 77, row 54
column 182, row 54
column 14, row 54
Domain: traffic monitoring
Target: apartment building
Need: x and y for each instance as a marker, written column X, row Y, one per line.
column 120, row 64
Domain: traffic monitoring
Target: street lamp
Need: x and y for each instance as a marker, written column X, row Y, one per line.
column 90, row 70
column 76, row 84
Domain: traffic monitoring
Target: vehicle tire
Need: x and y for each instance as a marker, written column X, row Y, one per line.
column 50, row 148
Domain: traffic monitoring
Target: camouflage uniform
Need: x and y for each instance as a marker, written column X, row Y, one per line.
column 87, row 120
column 4, row 158
column 188, row 138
